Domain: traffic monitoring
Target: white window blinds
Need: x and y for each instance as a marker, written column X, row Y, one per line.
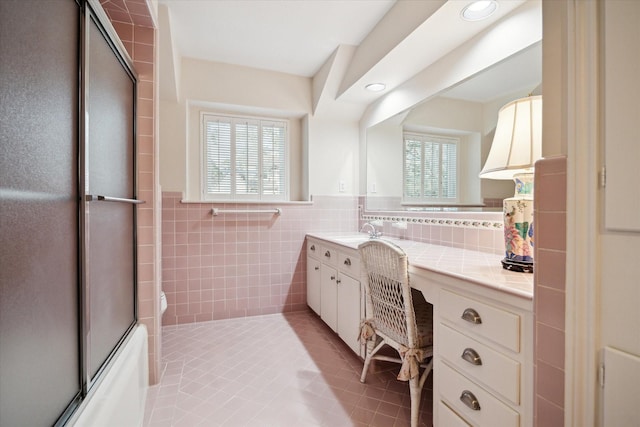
column 430, row 168
column 273, row 158
column 245, row 158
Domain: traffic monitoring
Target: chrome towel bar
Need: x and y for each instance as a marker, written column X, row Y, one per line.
column 216, row 211
column 93, row 198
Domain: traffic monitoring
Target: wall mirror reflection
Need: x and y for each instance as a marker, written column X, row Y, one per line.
column 428, row 157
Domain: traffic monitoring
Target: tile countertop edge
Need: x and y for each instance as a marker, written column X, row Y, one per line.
column 481, row 268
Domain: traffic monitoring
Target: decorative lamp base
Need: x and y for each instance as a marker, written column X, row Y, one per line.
column 518, row 226
column 520, row 267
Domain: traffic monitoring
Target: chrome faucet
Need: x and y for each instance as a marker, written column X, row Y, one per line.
column 373, row 233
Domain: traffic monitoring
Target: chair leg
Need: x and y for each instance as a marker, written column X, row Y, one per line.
column 371, row 351
column 426, row 372
column 415, row 390
column 365, row 368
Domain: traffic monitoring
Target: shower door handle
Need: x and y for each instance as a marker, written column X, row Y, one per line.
column 99, row 198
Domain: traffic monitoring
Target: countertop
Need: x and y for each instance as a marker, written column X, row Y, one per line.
column 482, row 268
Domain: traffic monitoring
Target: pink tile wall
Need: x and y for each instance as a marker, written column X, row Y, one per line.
column 549, row 290
column 455, row 229
column 483, row 239
column 237, row 265
column 132, row 21
column 493, row 203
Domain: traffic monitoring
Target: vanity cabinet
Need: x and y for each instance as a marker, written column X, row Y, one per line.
column 484, row 377
column 483, row 326
column 313, row 276
column 333, row 284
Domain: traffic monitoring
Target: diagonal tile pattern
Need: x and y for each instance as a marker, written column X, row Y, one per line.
column 275, row 370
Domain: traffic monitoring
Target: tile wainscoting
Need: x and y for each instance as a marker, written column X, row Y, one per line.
column 237, row 265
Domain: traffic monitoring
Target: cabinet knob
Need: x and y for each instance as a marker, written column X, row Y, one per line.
column 471, row 356
column 333, row 277
column 470, row 400
column 327, row 254
column 338, row 281
column 317, row 268
column 471, row 316
column 347, row 261
column 313, row 248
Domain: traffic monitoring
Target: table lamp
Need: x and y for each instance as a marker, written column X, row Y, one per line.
column 517, row 144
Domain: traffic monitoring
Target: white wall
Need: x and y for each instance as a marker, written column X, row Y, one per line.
column 224, row 88
column 384, row 160
column 333, row 157
column 326, row 152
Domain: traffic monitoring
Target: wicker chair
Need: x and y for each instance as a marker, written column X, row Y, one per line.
column 393, row 319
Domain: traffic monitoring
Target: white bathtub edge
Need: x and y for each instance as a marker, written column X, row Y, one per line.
column 119, row 399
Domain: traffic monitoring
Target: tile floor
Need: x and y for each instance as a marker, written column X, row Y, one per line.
column 275, row 370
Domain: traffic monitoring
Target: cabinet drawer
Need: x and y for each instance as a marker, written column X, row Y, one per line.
column 496, row 370
column 492, row 323
column 313, row 249
column 491, row 411
column 349, row 264
column 329, row 255
column 448, row 418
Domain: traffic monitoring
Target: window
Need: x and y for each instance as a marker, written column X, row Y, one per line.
column 430, row 168
column 244, row 158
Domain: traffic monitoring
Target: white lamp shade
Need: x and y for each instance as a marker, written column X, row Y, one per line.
column 517, row 143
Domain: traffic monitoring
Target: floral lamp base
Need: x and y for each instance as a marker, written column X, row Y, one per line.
column 518, row 226
column 521, row 267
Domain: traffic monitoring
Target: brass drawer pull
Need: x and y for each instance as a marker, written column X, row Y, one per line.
column 313, row 248
column 470, row 400
column 471, row 316
column 347, row 262
column 327, row 254
column 471, row 356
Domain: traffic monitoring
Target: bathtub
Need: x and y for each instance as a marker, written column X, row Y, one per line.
column 119, row 398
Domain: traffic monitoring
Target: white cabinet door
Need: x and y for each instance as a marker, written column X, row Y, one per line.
column 329, row 296
column 313, row 284
column 621, row 115
column 349, row 304
column 621, row 392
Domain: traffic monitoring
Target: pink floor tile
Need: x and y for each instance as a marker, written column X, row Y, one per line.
column 273, row 370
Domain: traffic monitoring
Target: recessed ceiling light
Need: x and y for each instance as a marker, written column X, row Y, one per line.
column 375, row 87
column 479, row 10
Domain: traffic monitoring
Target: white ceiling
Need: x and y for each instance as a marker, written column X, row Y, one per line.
column 290, row 36
column 299, row 36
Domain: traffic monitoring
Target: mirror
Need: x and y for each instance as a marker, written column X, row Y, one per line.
column 466, row 114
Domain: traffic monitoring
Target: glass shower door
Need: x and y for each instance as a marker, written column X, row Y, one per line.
column 109, row 207
column 39, row 346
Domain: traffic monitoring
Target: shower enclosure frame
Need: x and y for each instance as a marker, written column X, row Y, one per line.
column 68, row 197
column 94, row 15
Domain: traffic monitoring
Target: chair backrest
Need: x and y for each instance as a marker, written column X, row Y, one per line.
column 389, row 301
